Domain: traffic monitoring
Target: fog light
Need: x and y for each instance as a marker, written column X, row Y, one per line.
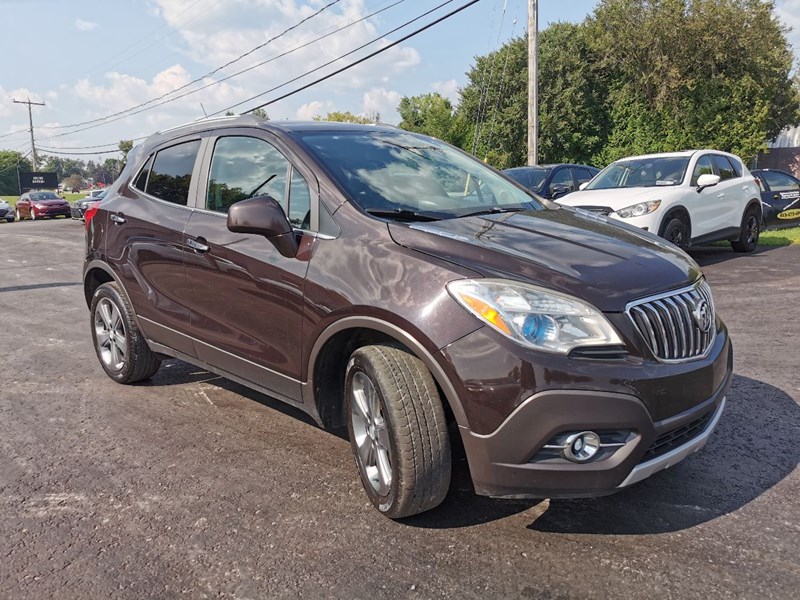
column 580, row 447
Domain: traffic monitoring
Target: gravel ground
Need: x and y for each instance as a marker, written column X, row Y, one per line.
column 191, row 485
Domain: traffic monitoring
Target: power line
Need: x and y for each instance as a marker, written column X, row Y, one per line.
column 350, row 66
column 194, row 81
column 282, row 54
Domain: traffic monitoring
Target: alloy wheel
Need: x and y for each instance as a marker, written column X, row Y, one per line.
column 109, row 327
column 752, row 229
column 371, row 433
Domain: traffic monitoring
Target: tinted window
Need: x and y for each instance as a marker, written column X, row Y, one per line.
column 778, row 182
column 530, row 178
column 582, row 175
column 172, row 173
column 243, row 167
column 724, row 167
column 299, row 202
column 141, row 180
column 45, row 196
column 562, row 177
column 702, row 167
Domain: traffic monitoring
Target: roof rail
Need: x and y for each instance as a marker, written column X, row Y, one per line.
column 203, row 120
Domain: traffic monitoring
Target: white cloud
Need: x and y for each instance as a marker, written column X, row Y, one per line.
column 313, row 109
column 448, row 89
column 82, row 25
column 381, row 101
column 789, row 12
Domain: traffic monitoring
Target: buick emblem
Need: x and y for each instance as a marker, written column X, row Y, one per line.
column 702, row 315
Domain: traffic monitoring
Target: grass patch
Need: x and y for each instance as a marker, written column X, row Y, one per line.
column 781, row 237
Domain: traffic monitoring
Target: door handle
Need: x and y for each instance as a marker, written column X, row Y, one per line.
column 119, row 219
column 721, row 195
column 197, row 244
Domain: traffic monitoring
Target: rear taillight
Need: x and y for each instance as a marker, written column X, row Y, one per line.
column 91, row 211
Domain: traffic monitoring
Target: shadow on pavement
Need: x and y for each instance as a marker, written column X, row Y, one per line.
column 753, row 448
column 712, row 255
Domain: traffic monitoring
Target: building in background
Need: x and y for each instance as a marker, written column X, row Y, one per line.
column 784, row 153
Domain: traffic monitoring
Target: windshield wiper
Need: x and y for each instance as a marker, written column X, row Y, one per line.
column 402, row 214
column 494, row 210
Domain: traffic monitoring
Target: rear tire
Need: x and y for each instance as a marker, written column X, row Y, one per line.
column 750, row 232
column 398, row 430
column 120, row 346
column 677, row 233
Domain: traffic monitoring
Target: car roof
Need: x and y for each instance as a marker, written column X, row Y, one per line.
column 677, row 154
column 212, row 124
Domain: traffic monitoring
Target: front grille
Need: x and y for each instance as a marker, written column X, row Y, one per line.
column 677, row 326
column 677, row 437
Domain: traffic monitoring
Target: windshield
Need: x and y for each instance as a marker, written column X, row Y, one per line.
column 530, row 178
column 44, row 196
column 639, row 172
column 408, row 176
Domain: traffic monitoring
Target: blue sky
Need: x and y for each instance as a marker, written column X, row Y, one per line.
column 87, row 59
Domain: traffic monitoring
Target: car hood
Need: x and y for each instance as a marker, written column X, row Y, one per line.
column 617, row 198
column 582, row 255
column 50, row 202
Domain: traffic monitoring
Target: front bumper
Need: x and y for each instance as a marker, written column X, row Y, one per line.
column 53, row 212
column 77, row 212
column 517, row 402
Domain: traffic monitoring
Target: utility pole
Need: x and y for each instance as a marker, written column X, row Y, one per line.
column 533, row 82
column 30, row 119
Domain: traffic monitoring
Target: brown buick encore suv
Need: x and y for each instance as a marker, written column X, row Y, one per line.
column 390, row 283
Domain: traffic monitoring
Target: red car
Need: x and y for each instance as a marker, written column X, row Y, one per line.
column 37, row 205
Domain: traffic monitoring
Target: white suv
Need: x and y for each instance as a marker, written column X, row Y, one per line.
column 690, row 197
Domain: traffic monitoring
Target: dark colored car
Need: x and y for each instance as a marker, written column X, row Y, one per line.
column 78, row 209
column 38, row 205
column 780, row 198
column 389, row 283
column 6, row 211
column 552, row 181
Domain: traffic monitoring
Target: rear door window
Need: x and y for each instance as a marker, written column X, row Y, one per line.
column 171, row 173
column 581, row 175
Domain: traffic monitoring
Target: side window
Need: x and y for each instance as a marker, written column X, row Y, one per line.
column 562, row 177
column 723, row 166
column 582, row 175
column 141, row 180
column 243, row 167
column 171, row 173
column 702, row 167
column 778, row 182
column 299, row 202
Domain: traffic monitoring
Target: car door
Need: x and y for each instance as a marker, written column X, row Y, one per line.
column 145, row 241
column 247, row 299
column 731, row 193
column 781, row 194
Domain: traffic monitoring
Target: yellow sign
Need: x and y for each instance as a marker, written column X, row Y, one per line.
column 790, row 214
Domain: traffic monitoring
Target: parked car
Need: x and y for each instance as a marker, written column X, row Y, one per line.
column 38, row 205
column 6, row 211
column 389, row 283
column 688, row 198
column 79, row 207
column 552, row 181
column 94, row 194
column 780, row 197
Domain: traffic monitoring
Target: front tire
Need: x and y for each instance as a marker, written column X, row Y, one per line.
column 120, row 346
column 677, row 232
column 398, row 430
column 750, row 232
column 32, row 213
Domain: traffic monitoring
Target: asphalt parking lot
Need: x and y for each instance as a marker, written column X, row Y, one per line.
column 192, row 486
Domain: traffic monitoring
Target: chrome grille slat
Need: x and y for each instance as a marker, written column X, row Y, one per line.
column 669, row 323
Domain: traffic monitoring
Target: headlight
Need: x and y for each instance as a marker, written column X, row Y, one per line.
column 639, row 210
column 534, row 316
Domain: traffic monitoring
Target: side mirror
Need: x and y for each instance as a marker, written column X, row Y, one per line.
column 706, row 180
column 263, row 215
column 559, row 189
column 583, row 185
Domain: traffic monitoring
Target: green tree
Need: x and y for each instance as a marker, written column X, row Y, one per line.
column 9, row 162
column 62, row 167
column 345, row 117
column 431, row 114
column 125, row 146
